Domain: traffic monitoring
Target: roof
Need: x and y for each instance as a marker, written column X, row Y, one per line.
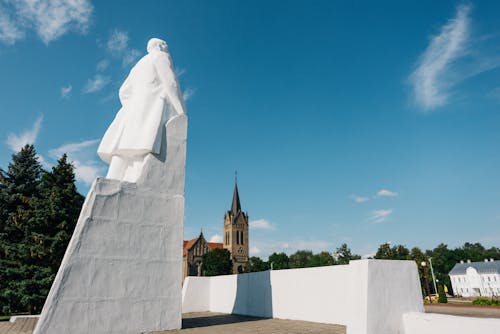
column 236, row 205
column 490, row 267
column 189, row 243
column 215, row 245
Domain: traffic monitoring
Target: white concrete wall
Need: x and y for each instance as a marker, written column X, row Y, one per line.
column 368, row 296
column 429, row 323
column 197, row 294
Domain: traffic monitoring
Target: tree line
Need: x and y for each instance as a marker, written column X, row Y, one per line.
column 38, row 213
column 443, row 259
column 218, row 261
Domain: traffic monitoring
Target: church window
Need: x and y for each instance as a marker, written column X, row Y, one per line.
column 241, row 238
column 238, row 237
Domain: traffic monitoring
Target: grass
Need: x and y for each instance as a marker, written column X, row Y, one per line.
column 4, row 317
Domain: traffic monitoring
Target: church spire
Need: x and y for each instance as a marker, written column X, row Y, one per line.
column 236, row 206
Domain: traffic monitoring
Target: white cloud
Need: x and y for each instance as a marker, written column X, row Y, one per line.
column 187, row 94
column 263, row 248
column 216, row 238
column 83, row 156
column 102, row 65
column 179, row 72
column 9, row 32
column 117, row 46
column 379, row 216
column 95, row 84
column 431, row 79
column 386, row 193
column 130, row 56
column 66, row 90
column 18, row 141
column 254, row 251
column 261, row 224
column 50, row 19
column 73, row 147
column 117, row 42
column 359, row 199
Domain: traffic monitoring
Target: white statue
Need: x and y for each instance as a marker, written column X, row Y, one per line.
column 150, row 96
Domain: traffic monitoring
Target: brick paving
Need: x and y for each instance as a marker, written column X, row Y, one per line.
column 219, row 323
column 21, row 326
column 214, row 323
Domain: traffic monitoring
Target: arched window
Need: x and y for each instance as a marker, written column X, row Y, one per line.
column 241, row 238
column 237, row 237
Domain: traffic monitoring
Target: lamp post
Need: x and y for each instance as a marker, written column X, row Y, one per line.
column 425, row 280
column 433, row 277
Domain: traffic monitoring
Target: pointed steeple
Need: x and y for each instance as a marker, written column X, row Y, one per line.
column 236, row 206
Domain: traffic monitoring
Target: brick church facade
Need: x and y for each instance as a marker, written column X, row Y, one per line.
column 235, row 240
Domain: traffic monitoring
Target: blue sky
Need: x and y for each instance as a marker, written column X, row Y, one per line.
column 346, row 121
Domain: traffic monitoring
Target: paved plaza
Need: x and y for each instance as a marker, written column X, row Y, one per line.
column 204, row 323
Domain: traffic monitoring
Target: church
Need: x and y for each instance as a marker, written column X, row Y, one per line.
column 235, row 240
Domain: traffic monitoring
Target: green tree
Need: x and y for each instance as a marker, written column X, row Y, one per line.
column 39, row 212
column 344, row 255
column 418, row 256
column 279, row 261
column 256, row 264
column 217, row 262
column 322, row 259
column 301, row 259
column 58, row 210
column 20, row 276
column 386, row 252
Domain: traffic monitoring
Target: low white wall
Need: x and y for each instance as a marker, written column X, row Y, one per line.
column 368, row 296
column 431, row 323
column 196, row 293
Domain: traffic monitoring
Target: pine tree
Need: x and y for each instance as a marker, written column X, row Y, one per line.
column 18, row 191
column 38, row 216
column 59, row 209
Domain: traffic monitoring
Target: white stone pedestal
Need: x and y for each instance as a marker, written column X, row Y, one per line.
column 122, row 270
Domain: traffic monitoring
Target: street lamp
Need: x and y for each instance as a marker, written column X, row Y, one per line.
column 433, row 277
column 425, row 280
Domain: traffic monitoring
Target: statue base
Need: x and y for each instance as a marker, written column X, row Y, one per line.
column 122, row 270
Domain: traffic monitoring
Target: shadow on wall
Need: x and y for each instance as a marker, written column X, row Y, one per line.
column 257, row 300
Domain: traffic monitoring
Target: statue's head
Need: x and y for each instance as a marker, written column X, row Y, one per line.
column 156, row 44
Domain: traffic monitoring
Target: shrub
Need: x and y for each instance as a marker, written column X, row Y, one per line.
column 486, row 301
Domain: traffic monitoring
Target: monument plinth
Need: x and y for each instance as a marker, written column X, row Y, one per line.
column 121, row 272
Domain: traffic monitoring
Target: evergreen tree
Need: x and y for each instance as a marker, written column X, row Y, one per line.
column 59, row 210
column 18, row 193
column 39, row 212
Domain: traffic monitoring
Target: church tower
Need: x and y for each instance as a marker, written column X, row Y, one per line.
column 236, row 233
